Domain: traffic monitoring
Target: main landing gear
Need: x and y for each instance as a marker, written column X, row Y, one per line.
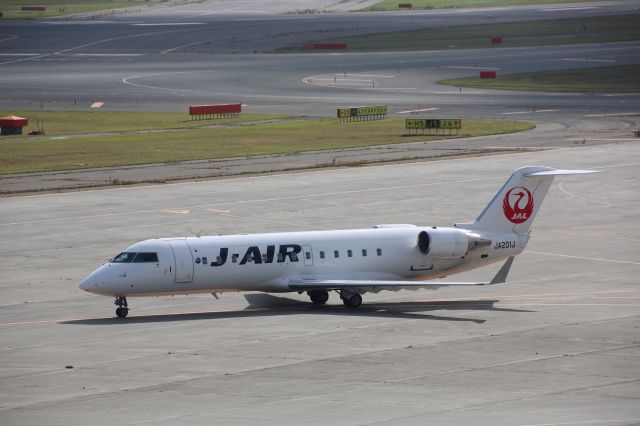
column 350, row 300
column 123, row 308
column 318, row 297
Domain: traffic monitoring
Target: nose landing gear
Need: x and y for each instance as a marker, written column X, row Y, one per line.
column 123, row 308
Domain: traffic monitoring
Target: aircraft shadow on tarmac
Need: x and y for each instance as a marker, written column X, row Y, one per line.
column 269, row 305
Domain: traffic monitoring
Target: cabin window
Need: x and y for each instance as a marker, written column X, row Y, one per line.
column 336, row 253
column 218, row 260
column 264, row 258
column 124, row 257
column 321, row 255
column 349, row 253
column 234, row 258
column 204, row 260
column 364, row 252
column 308, row 255
column 379, row 252
column 280, row 257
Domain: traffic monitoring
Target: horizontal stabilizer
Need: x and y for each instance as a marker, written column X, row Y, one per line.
column 559, row 172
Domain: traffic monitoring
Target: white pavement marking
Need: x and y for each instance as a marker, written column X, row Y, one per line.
column 596, row 259
column 585, row 422
column 97, row 104
column 78, row 22
column 20, row 54
column 415, row 111
column 176, row 211
column 182, row 47
column 558, row 9
column 603, row 139
column 529, row 112
column 108, row 54
column 9, row 37
column 620, row 114
column 472, row 68
column 367, row 75
column 339, row 81
column 587, row 60
column 518, row 147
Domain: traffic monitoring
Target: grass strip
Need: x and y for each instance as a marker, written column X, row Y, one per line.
column 36, row 155
column 11, row 9
column 514, row 34
column 616, row 79
column 458, row 4
column 78, row 122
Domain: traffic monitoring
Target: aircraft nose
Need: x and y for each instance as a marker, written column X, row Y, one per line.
column 86, row 284
column 92, row 282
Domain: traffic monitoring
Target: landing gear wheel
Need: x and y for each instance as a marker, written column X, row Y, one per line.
column 352, row 301
column 318, row 297
column 123, row 308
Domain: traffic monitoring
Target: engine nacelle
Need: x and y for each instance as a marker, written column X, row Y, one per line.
column 449, row 243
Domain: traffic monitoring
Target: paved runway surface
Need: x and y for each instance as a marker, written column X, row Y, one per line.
column 557, row 344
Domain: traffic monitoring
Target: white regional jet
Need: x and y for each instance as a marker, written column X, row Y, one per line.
column 349, row 262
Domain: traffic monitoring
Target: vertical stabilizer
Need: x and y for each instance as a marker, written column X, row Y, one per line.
column 516, row 204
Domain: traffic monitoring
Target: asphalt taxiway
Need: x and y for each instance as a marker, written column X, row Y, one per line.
column 557, row 344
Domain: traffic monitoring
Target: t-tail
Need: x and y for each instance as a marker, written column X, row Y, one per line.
column 514, row 208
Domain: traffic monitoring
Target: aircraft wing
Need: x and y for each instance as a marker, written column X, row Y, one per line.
column 374, row 286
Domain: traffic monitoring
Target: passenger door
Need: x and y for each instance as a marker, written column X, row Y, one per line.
column 184, row 260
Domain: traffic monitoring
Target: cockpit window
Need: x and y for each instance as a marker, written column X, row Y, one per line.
column 124, row 257
column 146, row 257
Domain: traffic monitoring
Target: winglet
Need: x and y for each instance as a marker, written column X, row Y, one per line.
column 501, row 276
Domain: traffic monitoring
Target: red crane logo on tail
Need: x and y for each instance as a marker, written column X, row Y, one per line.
column 518, row 204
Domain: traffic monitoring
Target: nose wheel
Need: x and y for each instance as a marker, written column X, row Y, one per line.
column 122, row 308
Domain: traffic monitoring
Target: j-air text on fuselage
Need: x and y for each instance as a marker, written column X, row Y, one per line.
column 349, row 262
